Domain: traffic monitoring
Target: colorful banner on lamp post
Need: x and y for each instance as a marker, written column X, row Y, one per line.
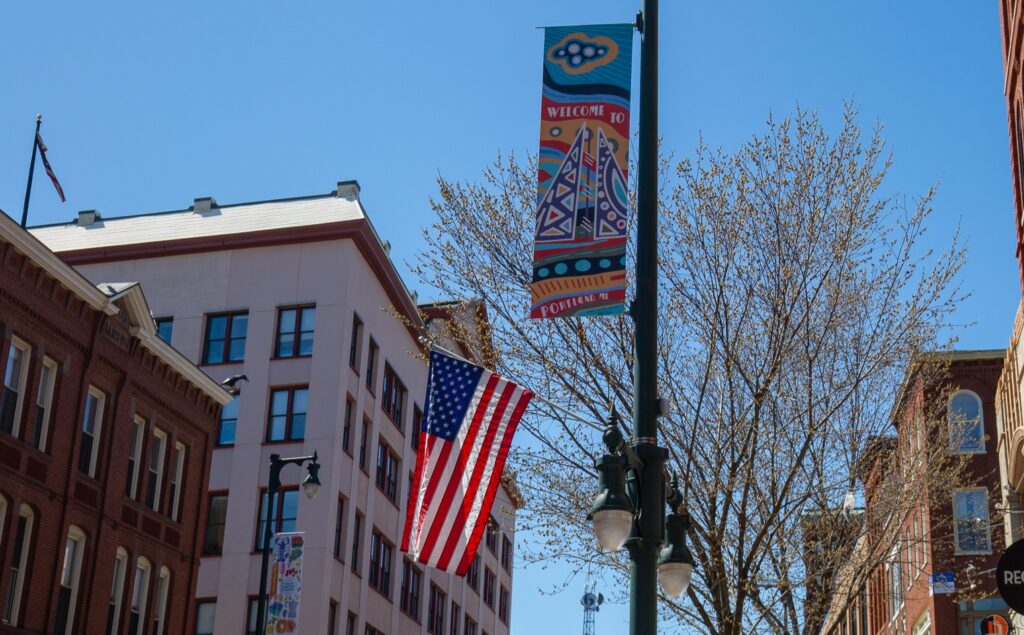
column 579, row 256
column 285, row 582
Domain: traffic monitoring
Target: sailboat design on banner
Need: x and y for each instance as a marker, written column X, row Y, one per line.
column 581, row 219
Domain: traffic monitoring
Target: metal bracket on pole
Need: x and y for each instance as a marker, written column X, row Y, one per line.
column 639, row 24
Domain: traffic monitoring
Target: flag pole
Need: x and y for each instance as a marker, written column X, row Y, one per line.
column 31, row 170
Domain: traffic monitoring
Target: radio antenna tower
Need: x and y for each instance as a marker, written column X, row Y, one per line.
column 591, row 605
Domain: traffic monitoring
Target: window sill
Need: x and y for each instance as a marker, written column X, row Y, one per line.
column 224, row 363
column 958, row 552
column 354, row 369
column 410, row 615
column 394, row 503
column 274, row 358
column 381, row 593
column 282, row 441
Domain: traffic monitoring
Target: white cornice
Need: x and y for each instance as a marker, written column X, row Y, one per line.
column 179, row 363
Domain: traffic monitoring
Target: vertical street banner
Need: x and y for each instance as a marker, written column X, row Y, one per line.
column 285, row 582
column 579, row 256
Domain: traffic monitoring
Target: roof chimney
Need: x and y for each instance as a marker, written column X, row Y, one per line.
column 87, row 217
column 203, row 205
column 348, row 190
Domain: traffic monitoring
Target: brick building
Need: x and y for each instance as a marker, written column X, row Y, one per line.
column 106, row 434
column 937, row 579
column 300, row 295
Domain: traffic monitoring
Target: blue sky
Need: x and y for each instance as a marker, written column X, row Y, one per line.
column 147, row 106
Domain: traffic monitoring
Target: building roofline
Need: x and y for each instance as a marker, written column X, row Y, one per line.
column 100, row 301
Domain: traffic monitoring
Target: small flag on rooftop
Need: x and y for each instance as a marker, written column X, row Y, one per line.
column 49, row 170
column 470, row 416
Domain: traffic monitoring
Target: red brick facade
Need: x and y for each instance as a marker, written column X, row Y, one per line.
column 99, row 349
column 1012, row 23
column 928, row 543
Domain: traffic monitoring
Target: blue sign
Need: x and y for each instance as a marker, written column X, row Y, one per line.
column 942, row 583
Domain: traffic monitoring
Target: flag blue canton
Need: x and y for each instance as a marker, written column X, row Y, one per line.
column 450, row 390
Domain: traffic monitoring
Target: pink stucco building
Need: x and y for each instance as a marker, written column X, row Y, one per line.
column 300, row 296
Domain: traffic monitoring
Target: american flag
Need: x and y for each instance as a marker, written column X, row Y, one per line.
column 49, row 170
column 470, row 415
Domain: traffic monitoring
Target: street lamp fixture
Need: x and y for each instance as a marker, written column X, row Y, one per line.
column 310, row 487
column 616, row 515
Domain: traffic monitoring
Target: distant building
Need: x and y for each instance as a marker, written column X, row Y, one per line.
column 938, row 579
column 301, row 297
column 106, row 434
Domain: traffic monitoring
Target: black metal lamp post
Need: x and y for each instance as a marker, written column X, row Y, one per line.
column 637, row 519
column 310, row 487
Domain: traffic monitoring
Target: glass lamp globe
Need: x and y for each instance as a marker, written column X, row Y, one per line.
column 612, row 527
column 675, row 578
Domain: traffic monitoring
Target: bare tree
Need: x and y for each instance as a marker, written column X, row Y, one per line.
column 793, row 297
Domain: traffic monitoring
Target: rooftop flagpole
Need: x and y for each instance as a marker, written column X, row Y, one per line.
column 31, row 170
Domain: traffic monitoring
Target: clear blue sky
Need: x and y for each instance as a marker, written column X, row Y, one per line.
column 147, row 106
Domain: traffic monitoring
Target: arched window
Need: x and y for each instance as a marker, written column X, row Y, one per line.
column 140, row 593
column 117, row 591
column 3, row 517
column 19, row 564
column 966, row 423
column 162, row 589
column 71, row 569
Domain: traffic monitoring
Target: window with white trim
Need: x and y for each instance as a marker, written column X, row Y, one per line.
column 971, row 525
column 44, row 401
column 117, row 591
column 92, row 426
column 206, row 616
column 15, row 379
column 162, row 587
column 178, row 466
column 154, row 482
column 140, row 591
column 70, row 572
column 131, row 484
column 19, row 564
column 966, row 423
column 924, row 625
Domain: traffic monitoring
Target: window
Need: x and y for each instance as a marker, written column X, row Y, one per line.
column 346, row 429
column 70, row 572
column 284, row 511
column 357, row 537
column 489, row 582
column 924, row 625
column 140, row 592
column 295, row 327
column 417, row 423
column 162, row 587
column 966, row 423
column 456, row 619
column 357, row 338
column 44, row 400
column 409, row 598
column 157, row 443
column 503, row 599
column 470, row 626
column 393, row 399
column 350, row 624
column 894, row 581
column 373, row 631
column 92, row 424
column 473, row 575
column 15, row 378
column 19, row 564
column 206, row 614
column 387, row 471
column 491, row 535
column 131, row 484
column 225, row 337
column 435, row 611
column 117, row 591
column 332, row 618
column 380, row 563
column 506, row 554
column 164, row 328
column 216, row 517
column 363, row 442
column 228, row 427
column 371, row 364
column 971, row 522
column 287, row 420
column 179, row 466
column 338, row 522
column 250, row 618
